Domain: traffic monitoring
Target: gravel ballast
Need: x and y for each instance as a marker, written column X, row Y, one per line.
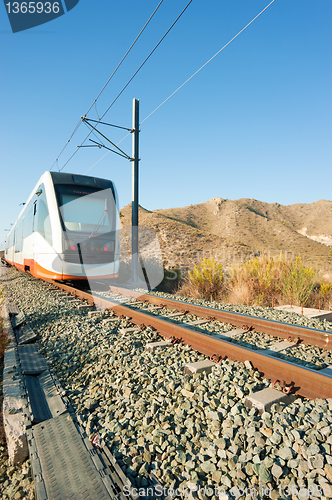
column 260, row 312
column 304, row 355
column 191, row 432
column 15, row 480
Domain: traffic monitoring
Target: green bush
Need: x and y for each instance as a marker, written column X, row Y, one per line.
column 207, row 279
column 297, row 281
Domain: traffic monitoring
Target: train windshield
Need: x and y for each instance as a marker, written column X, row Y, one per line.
column 86, row 210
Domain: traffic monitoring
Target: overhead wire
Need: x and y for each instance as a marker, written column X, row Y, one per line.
column 192, row 76
column 130, row 80
column 147, row 58
column 102, row 90
column 207, row 62
column 110, row 78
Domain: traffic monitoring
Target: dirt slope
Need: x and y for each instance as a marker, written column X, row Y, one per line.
column 231, row 229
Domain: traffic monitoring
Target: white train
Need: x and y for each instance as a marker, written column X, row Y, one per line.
column 68, row 229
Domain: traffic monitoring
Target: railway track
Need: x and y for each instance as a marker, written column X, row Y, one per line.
column 293, row 333
column 101, row 360
column 294, row 378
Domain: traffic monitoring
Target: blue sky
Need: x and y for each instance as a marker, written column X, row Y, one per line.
column 254, row 123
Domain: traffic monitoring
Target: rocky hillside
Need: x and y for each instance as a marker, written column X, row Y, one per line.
column 233, row 229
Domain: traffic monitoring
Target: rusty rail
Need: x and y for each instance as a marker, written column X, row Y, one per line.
column 306, row 382
column 295, row 333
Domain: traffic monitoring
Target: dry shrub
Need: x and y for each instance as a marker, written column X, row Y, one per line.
column 325, row 296
column 262, row 281
column 187, row 289
column 321, row 297
column 297, row 281
column 206, row 281
column 241, row 294
column 256, row 281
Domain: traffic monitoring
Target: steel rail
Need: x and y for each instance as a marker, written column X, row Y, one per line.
column 306, row 382
column 295, row 333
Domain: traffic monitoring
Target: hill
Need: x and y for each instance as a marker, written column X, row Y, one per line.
column 233, row 229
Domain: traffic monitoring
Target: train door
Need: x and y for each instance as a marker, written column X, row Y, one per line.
column 34, row 226
column 14, row 246
column 28, row 236
column 43, row 252
column 34, row 221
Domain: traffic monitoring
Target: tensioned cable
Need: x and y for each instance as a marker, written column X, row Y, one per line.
column 140, row 67
column 102, row 90
column 207, row 62
column 148, row 57
column 192, row 76
column 110, row 78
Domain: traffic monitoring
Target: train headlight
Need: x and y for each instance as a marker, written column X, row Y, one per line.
column 109, row 246
column 70, row 245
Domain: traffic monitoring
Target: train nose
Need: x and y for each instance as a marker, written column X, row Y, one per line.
column 90, row 251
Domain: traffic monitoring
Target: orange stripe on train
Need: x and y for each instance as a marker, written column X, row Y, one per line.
column 40, row 272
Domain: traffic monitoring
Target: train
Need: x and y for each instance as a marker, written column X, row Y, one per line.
column 68, row 229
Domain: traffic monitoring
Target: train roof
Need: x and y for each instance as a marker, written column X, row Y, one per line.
column 82, row 180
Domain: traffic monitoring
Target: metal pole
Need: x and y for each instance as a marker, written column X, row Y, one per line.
column 134, row 203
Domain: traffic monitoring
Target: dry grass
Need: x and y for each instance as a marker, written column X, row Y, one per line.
column 259, row 281
column 241, row 294
column 256, row 281
column 321, row 296
column 187, row 289
column 208, row 279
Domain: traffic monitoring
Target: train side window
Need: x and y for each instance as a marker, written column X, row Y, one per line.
column 18, row 237
column 43, row 221
column 42, row 224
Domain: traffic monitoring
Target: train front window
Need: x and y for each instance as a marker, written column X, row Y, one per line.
column 87, row 211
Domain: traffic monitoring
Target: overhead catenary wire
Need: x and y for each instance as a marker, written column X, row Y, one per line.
column 130, row 80
column 147, row 58
column 188, row 79
column 110, row 78
column 102, row 90
column 207, row 62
